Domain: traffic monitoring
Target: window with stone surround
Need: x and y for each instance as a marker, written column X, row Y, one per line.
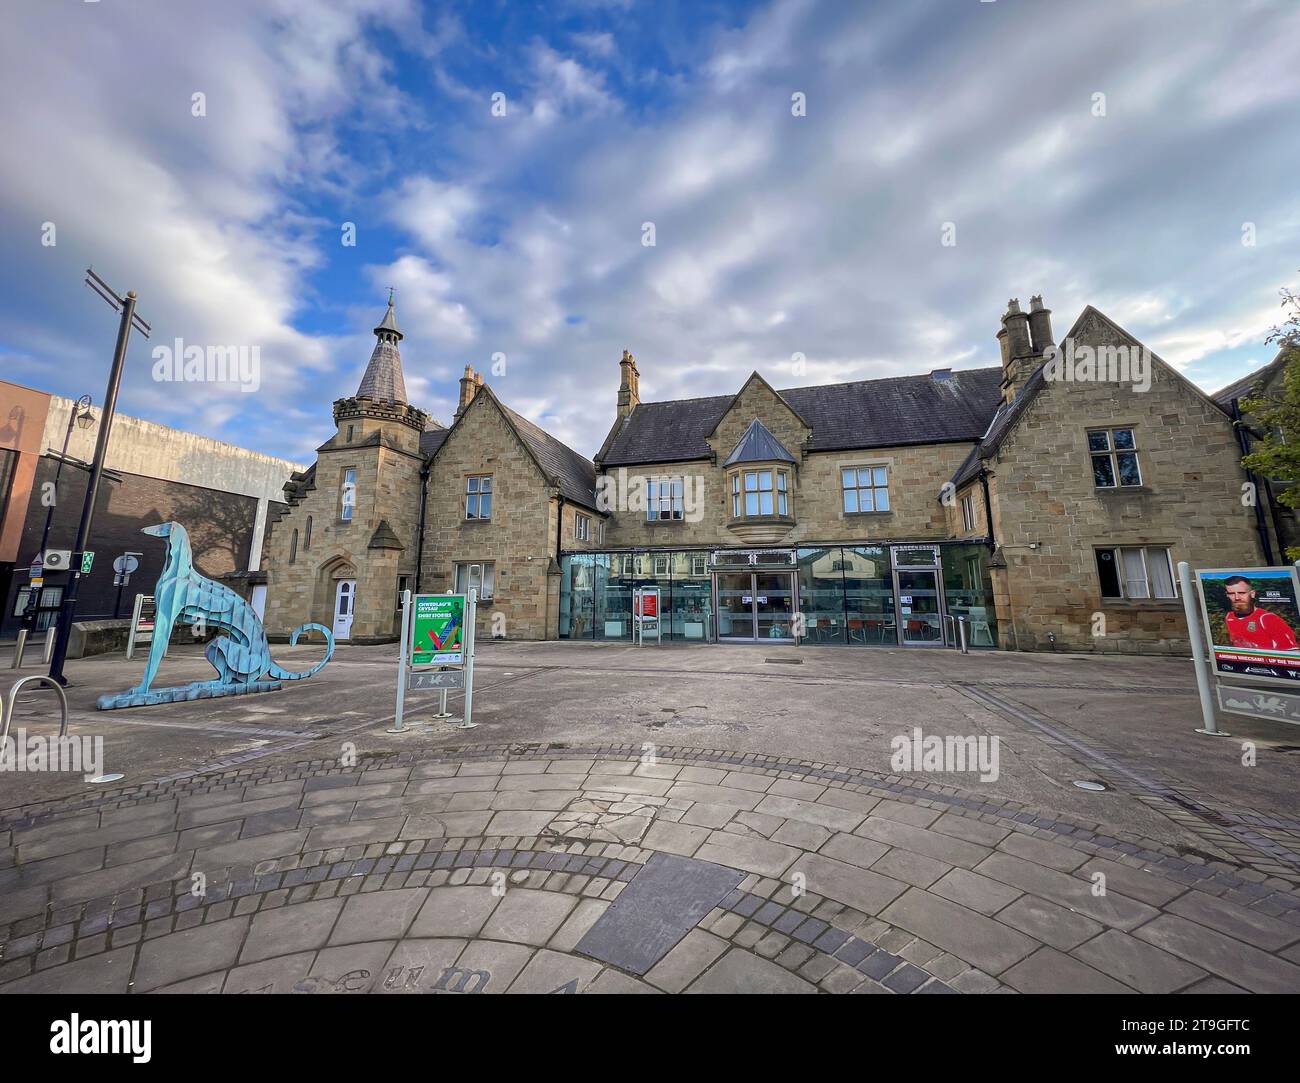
column 760, row 492
column 306, row 538
column 1114, row 458
column 864, row 488
column 1136, row 572
column 348, row 494
column 476, row 576
column 581, row 527
column 478, row 496
column 968, row 512
column 293, row 547
column 665, row 499
column 403, row 585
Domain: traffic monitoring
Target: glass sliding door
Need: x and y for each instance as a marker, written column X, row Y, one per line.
column 773, row 605
column 919, row 613
column 869, row 596
column 735, row 606
column 821, row 595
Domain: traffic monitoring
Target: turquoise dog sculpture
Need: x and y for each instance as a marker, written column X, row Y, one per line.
column 240, row 656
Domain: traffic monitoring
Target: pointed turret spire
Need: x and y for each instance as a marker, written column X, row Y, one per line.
column 383, row 380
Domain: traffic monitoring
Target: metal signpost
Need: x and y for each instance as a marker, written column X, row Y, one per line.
column 437, row 650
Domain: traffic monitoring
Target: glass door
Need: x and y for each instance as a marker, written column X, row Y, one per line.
column 735, row 606
column 773, row 605
column 919, row 611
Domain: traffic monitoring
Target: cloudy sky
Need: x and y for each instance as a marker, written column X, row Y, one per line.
column 1113, row 152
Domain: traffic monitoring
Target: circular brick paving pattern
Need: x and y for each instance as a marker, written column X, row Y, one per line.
column 561, row 870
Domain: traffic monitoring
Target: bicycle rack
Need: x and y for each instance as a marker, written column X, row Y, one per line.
column 7, row 707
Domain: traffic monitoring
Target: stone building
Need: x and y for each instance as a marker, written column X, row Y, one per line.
column 1040, row 504
column 222, row 494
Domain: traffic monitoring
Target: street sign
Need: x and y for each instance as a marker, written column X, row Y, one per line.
column 1259, row 703
column 419, row 680
column 87, row 559
column 438, row 630
column 37, row 582
column 38, row 566
column 125, row 564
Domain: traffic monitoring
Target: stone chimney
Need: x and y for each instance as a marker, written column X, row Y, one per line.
column 1040, row 325
column 469, row 385
column 629, row 389
column 1017, row 351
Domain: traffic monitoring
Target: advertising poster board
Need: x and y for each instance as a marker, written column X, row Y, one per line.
column 1252, row 622
column 438, row 630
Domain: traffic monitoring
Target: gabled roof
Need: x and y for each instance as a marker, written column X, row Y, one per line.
column 571, row 473
column 1246, row 386
column 891, row 412
column 753, row 376
column 1005, row 419
column 758, row 445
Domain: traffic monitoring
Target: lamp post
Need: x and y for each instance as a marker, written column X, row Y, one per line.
column 126, row 305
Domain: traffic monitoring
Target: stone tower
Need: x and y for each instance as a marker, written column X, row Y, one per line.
column 348, row 541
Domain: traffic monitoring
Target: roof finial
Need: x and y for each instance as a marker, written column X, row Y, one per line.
column 390, row 295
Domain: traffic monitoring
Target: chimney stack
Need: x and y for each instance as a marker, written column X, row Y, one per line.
column 629, row 388
column 1040, row 325
column 1017, row 351
column 469, row 384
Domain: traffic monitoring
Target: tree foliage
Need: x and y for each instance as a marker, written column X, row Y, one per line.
column 1276, row 413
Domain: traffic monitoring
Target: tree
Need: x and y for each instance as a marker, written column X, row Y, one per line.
column 1277, row 414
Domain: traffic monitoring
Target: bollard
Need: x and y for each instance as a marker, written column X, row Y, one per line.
column 19, row 647
column 49, row 644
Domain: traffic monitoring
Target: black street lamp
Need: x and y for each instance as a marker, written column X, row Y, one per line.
column 81, row 416
column 125, row 305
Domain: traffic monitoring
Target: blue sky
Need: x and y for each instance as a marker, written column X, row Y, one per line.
column 521, row 235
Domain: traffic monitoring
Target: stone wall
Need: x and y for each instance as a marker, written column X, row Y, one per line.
column 519, row 539
column 1190, row 501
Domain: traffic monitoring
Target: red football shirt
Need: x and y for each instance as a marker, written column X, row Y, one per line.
column 1262, row 630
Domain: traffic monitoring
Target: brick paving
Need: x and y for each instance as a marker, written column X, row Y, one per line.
column 501, row 868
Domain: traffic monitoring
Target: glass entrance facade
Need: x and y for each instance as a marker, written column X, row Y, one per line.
column 852, row 595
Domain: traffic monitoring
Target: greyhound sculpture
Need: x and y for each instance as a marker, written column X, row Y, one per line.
column 241, row 656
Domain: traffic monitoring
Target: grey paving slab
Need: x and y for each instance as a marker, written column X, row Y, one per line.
column 1147, row 887
column 120, row 877
column 518, row 822
column 1053, row 925
column 300, row 927
column 458, row 911
column 911, row 868
column 417, row 965
column 582, row 918
column 859, row 888
column 1221, row 955
column 675, row 838
column 963, row 827
column 1048, row 971
column 527, row 916
column 379, row 915
column 555, row 972
column 382, row 830
column 923, row 841
column 751, row 854
column 660, row 905
column 348, row 968
column 692, row 955
column 974, row 891
column 1237, row 921
column 277, row 975
column 1146, row 968
column 107, row 972
column 1111, row 909
column 981, row 941
column 1051, row 854
column 715, row 795
column 187, row 954
column 813, row 812
column 854, row 849
column 740, row 971
column 485, row 966
column 250, row 851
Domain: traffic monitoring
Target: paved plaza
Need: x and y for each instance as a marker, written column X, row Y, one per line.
column 701, row 819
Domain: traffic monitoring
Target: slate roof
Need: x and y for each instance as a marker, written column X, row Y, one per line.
column 758, row 445
column 1245, row 387
column 891, row 412
column 431, row 440
column 383, row 380
column 576, row 474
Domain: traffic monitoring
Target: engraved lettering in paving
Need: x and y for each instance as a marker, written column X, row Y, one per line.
column 661, row 904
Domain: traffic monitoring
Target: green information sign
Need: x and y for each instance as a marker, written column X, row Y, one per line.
column 438, row 630
column 87, row 559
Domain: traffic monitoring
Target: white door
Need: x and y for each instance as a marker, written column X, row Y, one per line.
column 345, row 602
column 259, row 601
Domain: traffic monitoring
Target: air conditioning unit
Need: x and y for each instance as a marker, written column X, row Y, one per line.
column 57, row 560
